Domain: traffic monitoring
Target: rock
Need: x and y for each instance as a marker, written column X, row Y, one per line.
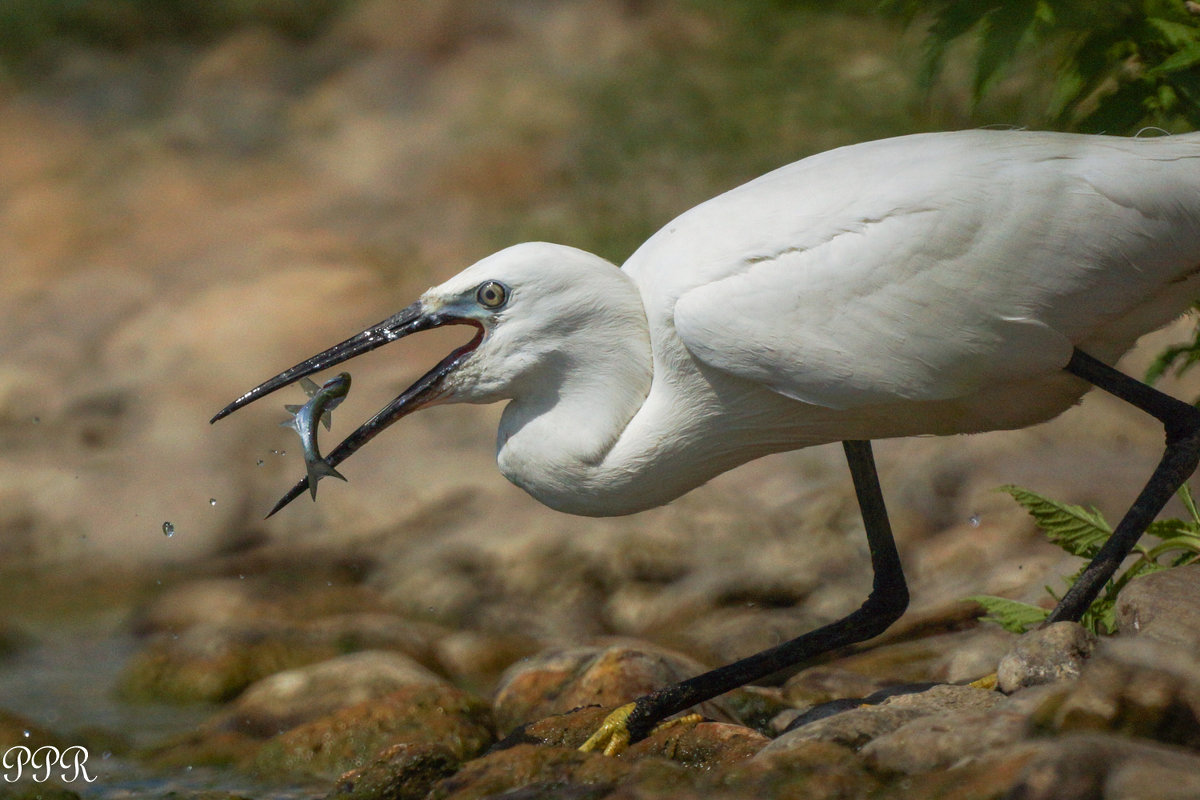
column 942, row 740
column 1163, row 605
column 535, row 771
column 758, row 707
column 991, row 776
column 1054, row 653
column 213, row 663
column 1088, row 766
column 558, row 681
column 1138, row 686
column 215, row 601
column 212, row 638
column 404, row 771
column 351, row 738
column 476, row 659
column 808, row 769
column 863, row 723
column 289, row 698
column 708, row 745
column 823, row 683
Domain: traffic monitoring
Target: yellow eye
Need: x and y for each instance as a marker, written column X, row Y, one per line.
column 492, row 294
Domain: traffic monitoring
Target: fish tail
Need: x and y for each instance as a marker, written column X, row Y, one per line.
column 323, row 469
column 317, row 469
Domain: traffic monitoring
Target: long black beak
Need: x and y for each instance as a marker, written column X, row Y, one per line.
column 410, row 320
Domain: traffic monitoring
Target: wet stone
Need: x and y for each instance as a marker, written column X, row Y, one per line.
column 404, row 771
column 942, row 740
column 351, row 738
column 558, row 681
column 1088, row 766
column 856, row 723
column 1139, row 687
column 213, row 662
column 711, row 745
column 824, row 683
column 1045, row 655
column 1163, row 605
column 808, row 769
column 533, row 771
column 287, row 699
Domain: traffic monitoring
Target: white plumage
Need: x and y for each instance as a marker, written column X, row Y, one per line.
column 927, row 284
column 931, row 284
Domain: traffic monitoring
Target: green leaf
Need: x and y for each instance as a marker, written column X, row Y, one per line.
column 1179, row 60
column 1101, row 616
column 1012, row 615
column 1177, row 34
column 1001, row 34
column 1075, row 529
column 1185, row 495
column 1173, row 528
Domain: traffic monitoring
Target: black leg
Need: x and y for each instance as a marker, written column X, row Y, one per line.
column 887, row 601
column 1182, row 424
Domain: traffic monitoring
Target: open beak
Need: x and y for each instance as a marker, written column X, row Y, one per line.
column 427, row 388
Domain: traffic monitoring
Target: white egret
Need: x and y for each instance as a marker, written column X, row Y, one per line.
column 928, row 284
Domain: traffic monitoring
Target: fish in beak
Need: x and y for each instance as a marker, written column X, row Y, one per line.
column 427, row 389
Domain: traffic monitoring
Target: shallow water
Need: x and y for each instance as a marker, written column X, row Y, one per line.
column 64, row 682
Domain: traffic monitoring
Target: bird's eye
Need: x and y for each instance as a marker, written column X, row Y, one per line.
column 492, row 294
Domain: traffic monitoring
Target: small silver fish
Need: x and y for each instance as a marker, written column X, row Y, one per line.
column 322, row 400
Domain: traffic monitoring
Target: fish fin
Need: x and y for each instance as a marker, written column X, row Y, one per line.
column 294, row 409
column 327, row 419
column 309, row 386
column 323, row 470
column 320, row 469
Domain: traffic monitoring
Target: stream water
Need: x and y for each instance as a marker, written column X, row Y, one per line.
column 64, row 681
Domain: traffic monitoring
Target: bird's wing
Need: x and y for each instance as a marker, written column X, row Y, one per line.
column 863, row 319
column 911, row 272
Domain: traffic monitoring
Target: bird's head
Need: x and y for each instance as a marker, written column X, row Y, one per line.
column 533, row 307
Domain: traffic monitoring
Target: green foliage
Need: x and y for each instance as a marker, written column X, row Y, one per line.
column 28, row 25
column 720, row 93
column 1177, row 358
column 1122, row 64
column 1081, row 532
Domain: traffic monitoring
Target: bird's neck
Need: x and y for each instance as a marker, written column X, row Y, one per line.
column 556, row 434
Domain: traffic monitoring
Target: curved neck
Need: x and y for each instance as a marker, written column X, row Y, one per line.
column 569, row 413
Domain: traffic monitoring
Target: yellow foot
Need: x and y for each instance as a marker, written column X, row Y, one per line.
column 613, row 733
column 986, row 682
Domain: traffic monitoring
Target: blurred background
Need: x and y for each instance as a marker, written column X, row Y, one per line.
column 194, row 196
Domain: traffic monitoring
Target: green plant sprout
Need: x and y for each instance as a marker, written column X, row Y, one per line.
column 1081, row 532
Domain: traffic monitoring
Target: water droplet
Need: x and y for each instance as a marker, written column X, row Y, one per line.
column 283, row 452
column 212, row 501
column 168, row 529
column 973, row 520
column 26, row 733
column 258, row 463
